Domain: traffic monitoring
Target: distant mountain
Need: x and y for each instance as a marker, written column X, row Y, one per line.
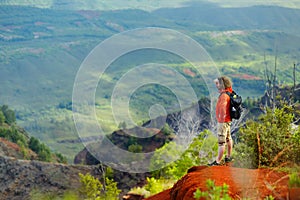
column 245, row 18
column 139, row 4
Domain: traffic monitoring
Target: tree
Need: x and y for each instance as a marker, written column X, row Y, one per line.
column 44, row 153
column 293, row 92
column 34, row 144
column 2, row 117
column 271, row 93
column 41, row 149
column 9, row 114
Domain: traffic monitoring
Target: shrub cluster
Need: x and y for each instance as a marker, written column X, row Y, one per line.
column 270, row 141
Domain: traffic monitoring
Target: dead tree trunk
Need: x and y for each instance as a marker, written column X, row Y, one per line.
column 270, row 81
column 274, row 83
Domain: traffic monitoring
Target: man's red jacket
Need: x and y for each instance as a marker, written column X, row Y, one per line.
column 223, row 106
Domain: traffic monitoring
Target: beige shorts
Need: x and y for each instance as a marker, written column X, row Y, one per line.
column 223, row 131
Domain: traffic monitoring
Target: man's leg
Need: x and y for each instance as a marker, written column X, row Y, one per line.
column 221, row 141
column 229, row 148
column 221, row 151
column 221, row 131
column 229, row 143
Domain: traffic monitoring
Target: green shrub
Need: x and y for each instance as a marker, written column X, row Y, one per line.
column 42, row 195
column 205, row 142
column 61, row 158
column 244, row 156
column 135, row 148
column 2, row 117
column 270, row 141
column 24, row 150
column 167, row 130
column 9, row 114
column 13, row 135
column 92, row 189
column 213, row 192
column 294, row 180
column 270, row 197
column 111, row 190
column 155, row 186
column 43, row 152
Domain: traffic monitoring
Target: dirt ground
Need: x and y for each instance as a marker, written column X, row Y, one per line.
column 243, row 183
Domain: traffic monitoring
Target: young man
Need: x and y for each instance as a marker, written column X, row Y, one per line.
column 224, row 85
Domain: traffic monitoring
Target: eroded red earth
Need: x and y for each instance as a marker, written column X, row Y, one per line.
column 243, row 183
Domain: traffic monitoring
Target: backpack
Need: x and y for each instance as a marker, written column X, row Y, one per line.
column 235, row 105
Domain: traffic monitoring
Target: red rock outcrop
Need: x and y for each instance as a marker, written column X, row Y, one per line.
column 243, row 183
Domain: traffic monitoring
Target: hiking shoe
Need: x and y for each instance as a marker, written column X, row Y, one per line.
column 228, row 159
column 214, row 163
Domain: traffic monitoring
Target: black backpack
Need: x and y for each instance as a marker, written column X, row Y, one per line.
column 235, row 105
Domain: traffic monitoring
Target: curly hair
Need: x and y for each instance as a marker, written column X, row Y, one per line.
column 225, row 81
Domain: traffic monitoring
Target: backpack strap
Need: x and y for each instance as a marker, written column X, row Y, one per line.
column 228, row 93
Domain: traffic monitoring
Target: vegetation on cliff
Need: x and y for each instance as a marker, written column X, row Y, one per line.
column 10, row 131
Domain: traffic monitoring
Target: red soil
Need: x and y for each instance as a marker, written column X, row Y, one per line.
column 246, row 76
column 11, row 145
column 243, row 183
column 189, row 72
column 11, row 149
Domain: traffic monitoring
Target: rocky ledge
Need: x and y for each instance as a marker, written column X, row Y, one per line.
column 20, row 177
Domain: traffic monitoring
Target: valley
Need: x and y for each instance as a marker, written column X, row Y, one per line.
column 42, row 48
